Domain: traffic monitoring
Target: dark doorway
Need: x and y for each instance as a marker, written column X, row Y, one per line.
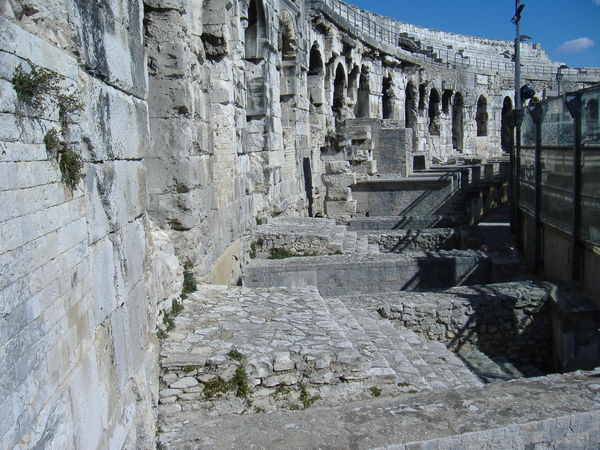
column 410, row 106
column 308, row 186
column 457, row 122
column 507, row 126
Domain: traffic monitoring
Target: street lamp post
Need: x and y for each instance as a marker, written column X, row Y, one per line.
column 518, row 115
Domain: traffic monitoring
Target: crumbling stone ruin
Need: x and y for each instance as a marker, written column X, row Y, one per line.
column 154, row 154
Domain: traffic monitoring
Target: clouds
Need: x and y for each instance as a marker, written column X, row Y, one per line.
column 597, row 2
column 576, row 45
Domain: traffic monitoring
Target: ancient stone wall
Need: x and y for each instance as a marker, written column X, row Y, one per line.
column 77, row 311
column 202, row 117
column 515, row 322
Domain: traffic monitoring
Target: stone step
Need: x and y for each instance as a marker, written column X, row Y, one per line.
column 488, row 370
column 396, row 350
column 283, row 345
column 379, row 367
column 424, row 365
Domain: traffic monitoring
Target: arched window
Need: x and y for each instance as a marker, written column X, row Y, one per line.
column 316, row 74
column 434, row 113
column 457, row 122
column 339, row 90
column 507, row 126
column 255, row 33
column 481, row 117
column 363, row 101
column 410, row 106
column 388, row 98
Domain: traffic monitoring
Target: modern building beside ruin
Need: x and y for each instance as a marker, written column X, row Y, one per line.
column 144, row 139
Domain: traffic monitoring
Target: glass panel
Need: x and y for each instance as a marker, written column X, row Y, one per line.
column 590, row 192
column 528, row 130
column 557, row 187
column 590, row 119
column 557, row 125
column 527, row 180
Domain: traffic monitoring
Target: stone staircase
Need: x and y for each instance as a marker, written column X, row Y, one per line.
column 240, row 350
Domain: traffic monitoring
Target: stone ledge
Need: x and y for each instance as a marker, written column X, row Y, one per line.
column 555, row 409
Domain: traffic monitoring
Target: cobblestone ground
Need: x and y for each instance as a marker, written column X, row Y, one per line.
column 240, row 350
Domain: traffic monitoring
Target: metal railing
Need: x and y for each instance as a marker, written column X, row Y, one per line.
column 364, row 23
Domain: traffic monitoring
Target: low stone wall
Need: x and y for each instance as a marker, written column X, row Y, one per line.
column 350, row 274
column 396, row 223
column 509, row 319
column 426, row 240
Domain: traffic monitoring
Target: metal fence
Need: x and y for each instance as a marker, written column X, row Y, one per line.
column 559, row 164
column 370, row 27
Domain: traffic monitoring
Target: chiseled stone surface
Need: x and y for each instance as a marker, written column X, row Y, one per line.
column 558, row 411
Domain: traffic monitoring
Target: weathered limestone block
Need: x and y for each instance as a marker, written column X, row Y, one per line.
column 114, row 49
column 337, row 167
column 170, row 98
column 215, row 39
column 179, row 5
column 168, row 59
column 340, row 180
column 340, row 209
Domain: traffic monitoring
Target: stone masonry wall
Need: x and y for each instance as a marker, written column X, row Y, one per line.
column 77, row 314
column 514, row 322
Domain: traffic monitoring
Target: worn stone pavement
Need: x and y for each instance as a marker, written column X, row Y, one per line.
column 559, row 411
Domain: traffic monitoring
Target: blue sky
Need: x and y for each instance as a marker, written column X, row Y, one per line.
column 569, row 30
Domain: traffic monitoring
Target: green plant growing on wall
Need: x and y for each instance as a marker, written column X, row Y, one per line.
column 375, row 391
column 216, row 386
column 176, row 307
column 71, row 165
column 306, row 399
column 189, row 283
column 240, row 382
column 235, row 355
column 280, row 253
column 36, row 86
column 253, row 250
column 51, row 141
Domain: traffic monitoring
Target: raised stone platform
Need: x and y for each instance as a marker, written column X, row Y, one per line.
column 560, row 411
column 348, row 274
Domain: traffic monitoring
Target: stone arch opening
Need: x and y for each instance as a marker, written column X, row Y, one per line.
column 446, row 99
column 214, row 25
column 434, row 112
column 362, row 102
column 316, row 76
column 481, row 117
column 255, row 33
column 353, row 84
column 410, row 106
column 457, row 122
column 388, row 98
column 422, row 97
column 339, row 90
column 507, row 126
